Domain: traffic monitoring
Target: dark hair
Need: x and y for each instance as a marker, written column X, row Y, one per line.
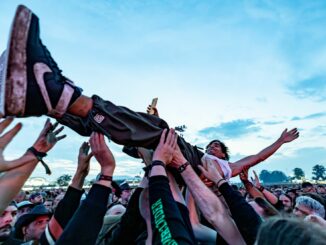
column 224, row 148
column 306, row 184
column 279, row 231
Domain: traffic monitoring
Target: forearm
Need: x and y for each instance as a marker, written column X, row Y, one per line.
column 211, row 207
column 246, row 218
column 252, row 190
column 13, row 180
column 78, row 181
column 250, row 161
column 9, row 165
column 165, row 213
column 270, row 197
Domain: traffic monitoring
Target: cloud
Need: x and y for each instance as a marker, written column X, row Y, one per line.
column 273, row 122
column 312, row 88
column 232, row 129
column 310, row 116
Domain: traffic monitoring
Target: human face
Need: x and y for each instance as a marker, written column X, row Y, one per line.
column 215, row 149
column 34, row 230
column 37, row 200
column 48, row 205
column 7, row 221
column 287, row 202
column 301, row 211
column 125, row 195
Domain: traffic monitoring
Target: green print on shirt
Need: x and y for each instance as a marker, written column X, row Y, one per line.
column 161, row 224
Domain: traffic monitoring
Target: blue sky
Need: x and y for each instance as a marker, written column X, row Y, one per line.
column 241, row 71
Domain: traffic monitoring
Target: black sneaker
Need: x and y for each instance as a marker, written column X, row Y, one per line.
column 31, row 83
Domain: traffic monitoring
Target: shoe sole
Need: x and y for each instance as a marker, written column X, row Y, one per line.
column 13, row 86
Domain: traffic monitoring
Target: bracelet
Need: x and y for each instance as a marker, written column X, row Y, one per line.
column 261, row 188
column 217, row 183
column 183, row 167
column 39, row 156
column 158, row 163
column 104, row 177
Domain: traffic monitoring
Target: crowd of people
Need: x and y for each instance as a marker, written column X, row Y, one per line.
column 184, row 197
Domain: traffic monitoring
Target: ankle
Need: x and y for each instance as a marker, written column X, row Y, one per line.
column 81, row 106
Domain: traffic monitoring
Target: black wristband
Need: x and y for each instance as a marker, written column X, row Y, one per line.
column 158, row 163
column 261, row 188
column 183, row 167
column 104, row 177
column 219, row 182
column 39, row 155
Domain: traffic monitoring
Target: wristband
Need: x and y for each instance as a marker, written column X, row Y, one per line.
column 39, row 156
column 104, row 177
column 183, row 167
column 261, row 188
column 158, row 163
column 217, row 183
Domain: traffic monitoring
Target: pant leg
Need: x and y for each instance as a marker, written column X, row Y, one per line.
column 126, row 127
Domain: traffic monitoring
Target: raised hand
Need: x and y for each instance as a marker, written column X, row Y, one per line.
column 48, row 137
column 244, row 175
column 288, row 136
column 152, row 111
column 256, row 180
column 7, row 137
column 166, row 147
column 84, row 158
column 211, row 172
column 102, row 153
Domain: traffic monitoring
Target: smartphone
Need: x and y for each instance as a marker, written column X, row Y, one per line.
column 153, row 105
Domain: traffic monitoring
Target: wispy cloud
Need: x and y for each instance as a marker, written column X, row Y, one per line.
column 313, row 88
column 310, row 116
column 232, row 129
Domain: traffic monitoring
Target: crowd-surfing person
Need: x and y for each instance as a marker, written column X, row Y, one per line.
column 184, row 196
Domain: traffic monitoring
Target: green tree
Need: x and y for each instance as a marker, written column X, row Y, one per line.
column 319, row 172
column 63, row 180
column 272, row 177
column 298, row 173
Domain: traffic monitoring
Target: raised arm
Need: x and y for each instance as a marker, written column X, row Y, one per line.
column 13, row 180
column 249, row 161
column 211, row 207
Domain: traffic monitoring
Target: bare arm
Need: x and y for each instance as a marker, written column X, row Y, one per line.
column 211, row 207
column 83, row 166
column 249, row 161
column 202, row 233
column 13, row 180
column 267, row 194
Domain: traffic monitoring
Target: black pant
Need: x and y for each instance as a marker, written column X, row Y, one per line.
column 126, row 127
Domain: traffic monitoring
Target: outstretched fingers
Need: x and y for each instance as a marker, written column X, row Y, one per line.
column 8, row 136
column 5, row 123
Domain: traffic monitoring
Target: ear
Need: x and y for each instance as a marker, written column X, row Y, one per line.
column 24, row 230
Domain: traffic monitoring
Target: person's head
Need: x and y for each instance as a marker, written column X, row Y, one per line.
column 307, row 187
column 48, row 204
column 7, row 220
column 30, row 226
column 219, row 149
column 287, row 202
column 125, row 192
column 283, row 231
column 24, row 207
column 36, row 198
column 20, row 196
column 305, row 205
column 321, row 189
column 292, row 193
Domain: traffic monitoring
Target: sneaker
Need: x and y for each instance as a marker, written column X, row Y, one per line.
column 31, row 82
